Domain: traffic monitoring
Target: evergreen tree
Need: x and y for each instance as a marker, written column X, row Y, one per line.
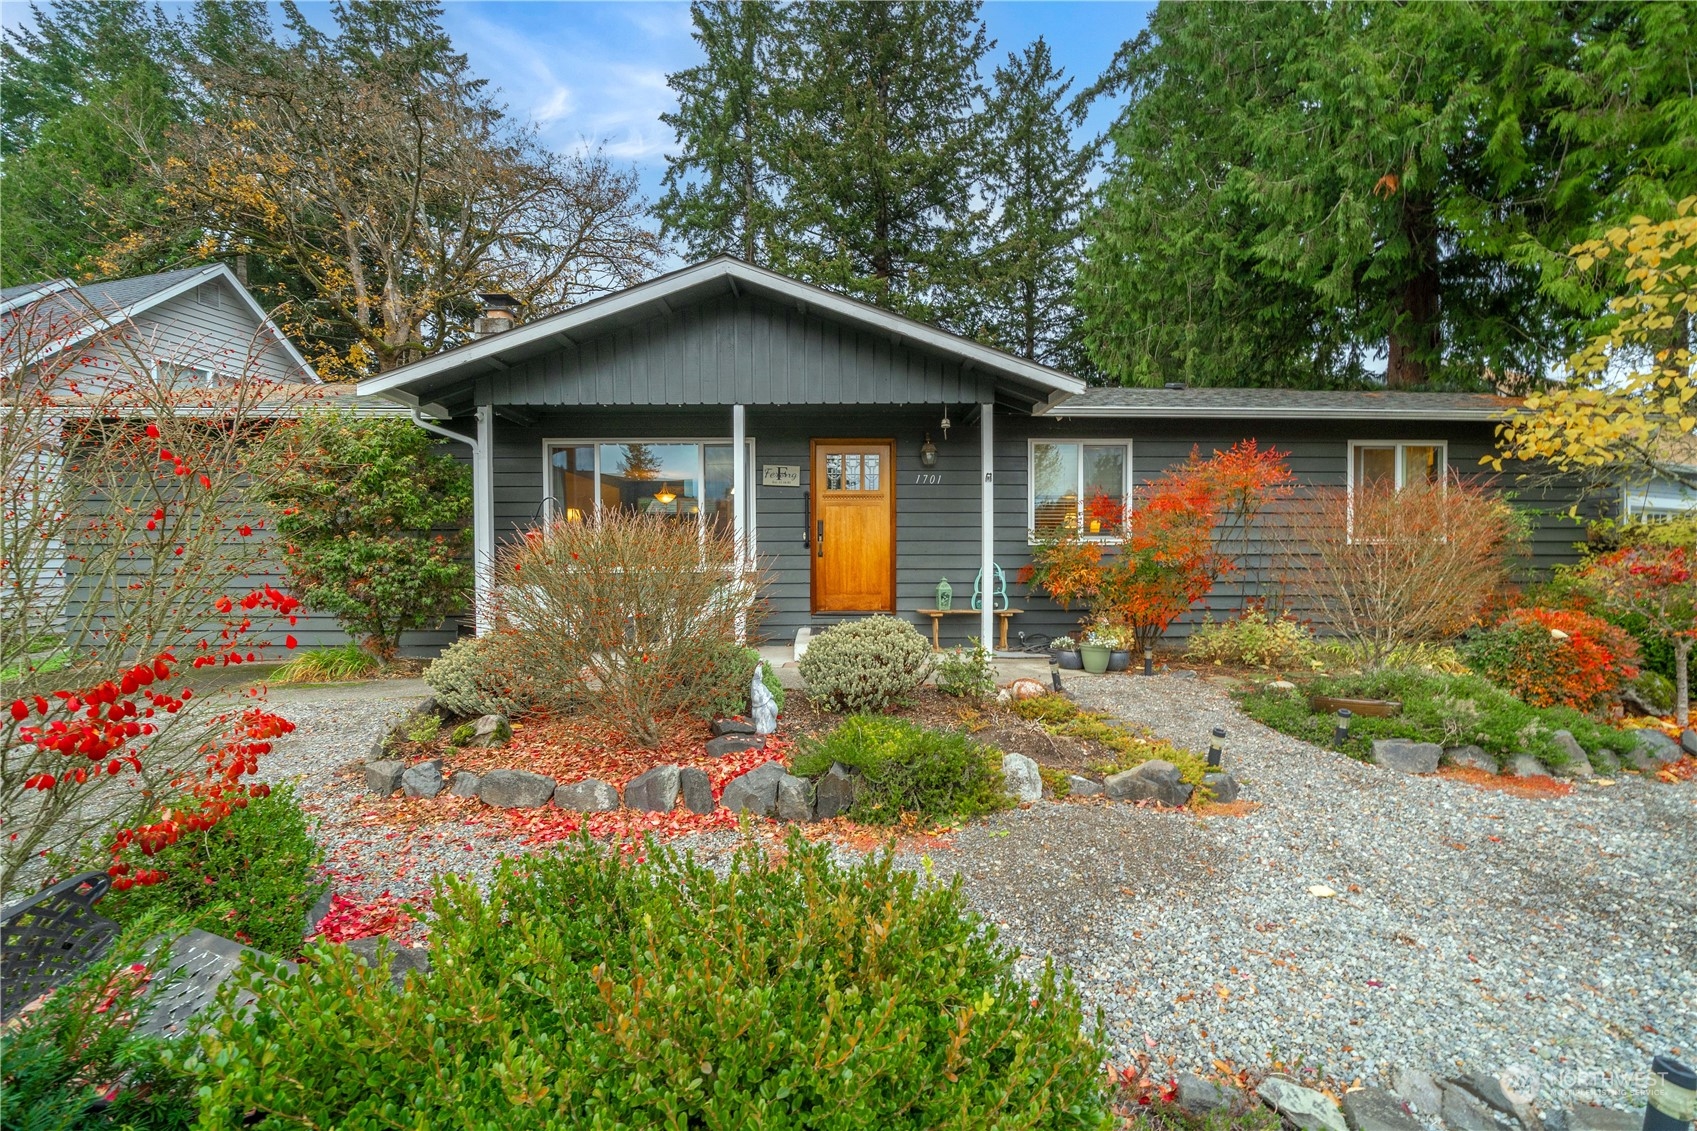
column 1038, row 182
column 879, row 151
column 721, row 195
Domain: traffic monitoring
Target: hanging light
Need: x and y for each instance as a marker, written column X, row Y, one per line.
column 665, row 496
column 946, row 424
column 928, row 452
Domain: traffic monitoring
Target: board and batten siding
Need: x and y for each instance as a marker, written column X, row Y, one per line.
column 937, row 523
column 737, row 350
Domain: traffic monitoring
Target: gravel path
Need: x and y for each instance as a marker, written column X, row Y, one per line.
column 1469, row 928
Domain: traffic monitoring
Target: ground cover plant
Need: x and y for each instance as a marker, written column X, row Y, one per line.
column 966, row 673
column 1452, row 710
column 875, row 664
column 251, row 877
column 908, row 771
column 328, row 665
column 1556, row 657
column 586, row 991
column 1124, row 750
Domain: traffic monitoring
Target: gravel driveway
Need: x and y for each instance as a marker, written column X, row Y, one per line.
column 1469, row 928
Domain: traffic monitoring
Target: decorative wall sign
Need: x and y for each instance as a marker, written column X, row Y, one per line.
column 780, row 475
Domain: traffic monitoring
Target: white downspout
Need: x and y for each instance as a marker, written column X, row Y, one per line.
column 987, row 527
column 482, row 508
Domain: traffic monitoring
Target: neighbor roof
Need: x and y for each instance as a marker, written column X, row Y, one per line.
column 93, row 307
column 1285, row 404
column 714, row 277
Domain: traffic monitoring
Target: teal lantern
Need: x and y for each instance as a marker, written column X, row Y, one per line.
column 945, row 594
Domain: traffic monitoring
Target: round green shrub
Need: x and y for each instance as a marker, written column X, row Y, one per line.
column 908, row 769
column 738, row 663
column 587, row 990
column 866, row 665
column 967, row 674
column 251, row 877
column 471, row 680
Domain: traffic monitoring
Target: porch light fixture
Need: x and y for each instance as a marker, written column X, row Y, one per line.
column 1341, row 734
column 928, row 452
column 1215, row 751
column 665, row 496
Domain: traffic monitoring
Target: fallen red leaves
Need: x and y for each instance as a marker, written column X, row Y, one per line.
column 1538, row 785
column 349, row 920
column 1683, row 770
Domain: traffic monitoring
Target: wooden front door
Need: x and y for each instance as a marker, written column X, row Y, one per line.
column 854, row 526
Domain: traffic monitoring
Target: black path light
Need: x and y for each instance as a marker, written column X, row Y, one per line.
column 1215, row 748
column 1054, row 671
column 1148, row 661
column 1673, row 1096
column 1340, row 736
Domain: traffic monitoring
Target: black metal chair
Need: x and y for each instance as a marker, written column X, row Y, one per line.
column 47, row 939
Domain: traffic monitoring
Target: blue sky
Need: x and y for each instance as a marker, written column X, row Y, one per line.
column 597, row 71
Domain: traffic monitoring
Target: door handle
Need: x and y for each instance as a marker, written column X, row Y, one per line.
column 820, row 537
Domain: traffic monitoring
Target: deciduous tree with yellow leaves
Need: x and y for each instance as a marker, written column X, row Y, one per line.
column 1629, row 405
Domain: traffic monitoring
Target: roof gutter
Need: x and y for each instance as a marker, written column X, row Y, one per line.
column 1226, row 412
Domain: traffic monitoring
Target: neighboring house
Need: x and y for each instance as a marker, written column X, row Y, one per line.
column 199, row 321
column 1664, row 497
column 874, row 454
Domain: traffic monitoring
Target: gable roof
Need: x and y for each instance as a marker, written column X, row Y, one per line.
column 711, row 279
column 95, row 307
column 1303, row 404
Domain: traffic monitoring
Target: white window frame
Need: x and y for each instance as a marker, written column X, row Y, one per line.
column 1032, row 536
column 550, row 504
column 1443, row 447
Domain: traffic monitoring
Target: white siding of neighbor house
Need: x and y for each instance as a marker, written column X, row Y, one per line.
column 185, row 331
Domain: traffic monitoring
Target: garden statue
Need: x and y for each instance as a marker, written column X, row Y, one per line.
column 762, row 706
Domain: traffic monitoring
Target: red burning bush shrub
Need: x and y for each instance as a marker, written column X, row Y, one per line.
column 1557, row 658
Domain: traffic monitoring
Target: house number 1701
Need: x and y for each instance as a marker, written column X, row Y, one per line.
column 928, row 478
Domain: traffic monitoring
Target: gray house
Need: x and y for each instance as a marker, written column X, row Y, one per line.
column 863, row 456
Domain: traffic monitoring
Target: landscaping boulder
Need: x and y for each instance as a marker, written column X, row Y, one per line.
column 1223, row 785
column 1463, row 1111
column 514, row 789
column 1406, row 756
column 1418, row 1088
column 1586, row 1117
column 696, row 790
column 795, row 802
column 722, row 727
column 464, row 783
column 1021, row 779
column 835, row 791
column 756, row 791
column 1654, row 750
column 587, row 796
column 1155, row 780
column 1577, row 764
column 1525, row 766
column 1200, row 1097
column 383, row 778
column 1605, row 761
column 655, row 791
column 1485, row 1087
column 423, row 779
column 1470, row 758
column 733, row 744
column 1688, row 741
column 490, row 731
column 1082, row 787
column 1034, row 744
column 1304, row 1108
column 1374, row 1109
column 1281, row 685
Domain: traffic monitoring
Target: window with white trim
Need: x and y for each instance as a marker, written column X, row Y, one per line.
column 1396, row 464
column 1078, row 484
column 668, row 480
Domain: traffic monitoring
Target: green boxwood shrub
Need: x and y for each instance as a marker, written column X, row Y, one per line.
column 966, row 673
column 586, row 990
column 908, row 769
column 253, row 876
column 1453, row 710
column 866, row 665
column 470, row 681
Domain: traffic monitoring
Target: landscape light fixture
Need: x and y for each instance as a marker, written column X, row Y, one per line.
column 665, row 496
column 1054, row 671
column 1215, row 751
column 1341, row 734
column 1148, row 661
column 928, row 452
column 1673, row 1095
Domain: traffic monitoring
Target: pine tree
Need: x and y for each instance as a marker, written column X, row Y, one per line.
column 1037, row 179
column 879, row 151
column 721, row 193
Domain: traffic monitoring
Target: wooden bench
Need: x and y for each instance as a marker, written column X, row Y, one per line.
column 937, row 615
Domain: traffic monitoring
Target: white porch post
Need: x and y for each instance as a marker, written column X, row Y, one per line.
column 483, row 519
column 740, row 502
column 987, row 526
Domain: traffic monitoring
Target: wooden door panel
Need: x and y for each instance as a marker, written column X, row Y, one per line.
column 854, row 499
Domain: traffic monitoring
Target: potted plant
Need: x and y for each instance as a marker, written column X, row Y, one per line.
column 1096, row 651
column 1065, row 651
column 1118, row 638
